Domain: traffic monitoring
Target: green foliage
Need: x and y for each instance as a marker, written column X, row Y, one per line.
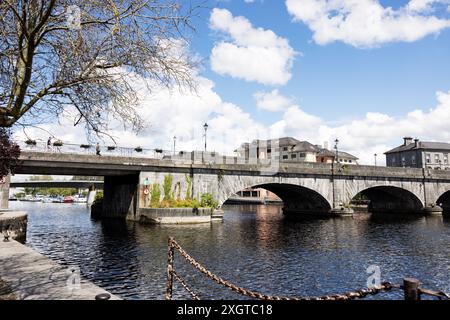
column 167, row 186
column 20, row 195
column 41, row 178
column 207, row 201
column 189, row 186
column 99, row 195
column 155, row 195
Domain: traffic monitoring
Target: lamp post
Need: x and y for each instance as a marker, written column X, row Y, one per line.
column 174, row 144
column 375, row 155
column 336, row 147
column 205, row 126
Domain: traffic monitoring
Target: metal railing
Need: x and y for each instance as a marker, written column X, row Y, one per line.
column 197, row 157
column 411, row 287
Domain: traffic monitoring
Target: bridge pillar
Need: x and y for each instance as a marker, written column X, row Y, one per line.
column 4, row 191
column 119, row 198
column 433, row 210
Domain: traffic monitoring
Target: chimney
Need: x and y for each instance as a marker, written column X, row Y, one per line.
column 407, row 140
column 325, row 145
column 416, row 143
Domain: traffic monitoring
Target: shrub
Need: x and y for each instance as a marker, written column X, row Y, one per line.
column 155, row 195
column 167, row 186
column 207, row 201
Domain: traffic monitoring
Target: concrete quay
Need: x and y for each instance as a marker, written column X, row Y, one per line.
column 31, row 276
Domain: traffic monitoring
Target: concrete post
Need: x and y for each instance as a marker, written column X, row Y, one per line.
column 4, row 191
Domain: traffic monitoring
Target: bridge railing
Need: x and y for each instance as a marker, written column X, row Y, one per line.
column 91, row 149
column 186, row 157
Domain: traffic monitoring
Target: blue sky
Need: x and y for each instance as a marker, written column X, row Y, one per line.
column 337, row 81
column 367, row 72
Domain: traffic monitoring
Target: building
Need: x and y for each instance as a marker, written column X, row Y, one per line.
column 289, row 149
column 419, row 154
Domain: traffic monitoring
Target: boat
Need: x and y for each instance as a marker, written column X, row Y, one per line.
column 79, row 199
column 47, row 200
column 58, row 199
column 68, row 199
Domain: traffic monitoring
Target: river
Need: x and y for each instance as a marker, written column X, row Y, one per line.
column 255, row 247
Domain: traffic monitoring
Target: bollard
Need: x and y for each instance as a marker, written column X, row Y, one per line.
column 411, row 289
column 103, row 296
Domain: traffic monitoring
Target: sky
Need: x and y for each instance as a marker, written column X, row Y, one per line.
column 366, row 72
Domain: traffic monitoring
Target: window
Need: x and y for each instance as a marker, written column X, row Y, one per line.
column 428, row 158
column 446, row 158
column 302, row 155
column 436, row 158
column 285, row 148
column 269, row 150
column 293, row 156
column 350, row 161
column 285, row 157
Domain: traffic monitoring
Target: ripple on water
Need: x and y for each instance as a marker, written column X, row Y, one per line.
column 255, row 247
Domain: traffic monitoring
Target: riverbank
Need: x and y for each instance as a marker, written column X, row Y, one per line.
column 28, row 275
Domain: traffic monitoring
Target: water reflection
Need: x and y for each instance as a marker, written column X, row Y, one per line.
column 255, row 247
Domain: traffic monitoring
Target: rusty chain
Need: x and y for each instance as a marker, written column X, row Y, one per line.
column 185, row 286
column 361, row 293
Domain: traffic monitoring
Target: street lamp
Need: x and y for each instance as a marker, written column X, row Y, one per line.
column 205, row 126
column 336, row 147
column 375, row 155
column 174, row 143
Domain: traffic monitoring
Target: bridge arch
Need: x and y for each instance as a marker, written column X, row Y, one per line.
column 444, row 201
column 296, row 199
column 391, row 199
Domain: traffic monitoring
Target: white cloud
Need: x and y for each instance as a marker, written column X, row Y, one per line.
column 252, row 54
column 366, row 23
column 272, row 101
column 168, row 114
column 183, row 113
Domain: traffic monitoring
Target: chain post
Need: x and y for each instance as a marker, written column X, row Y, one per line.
column 170, row 258
column 411, row 289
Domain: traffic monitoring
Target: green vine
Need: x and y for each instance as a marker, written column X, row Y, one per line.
column 189, row 186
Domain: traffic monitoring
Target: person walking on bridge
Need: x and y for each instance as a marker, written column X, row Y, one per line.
column 49, row 144
column 97, row 149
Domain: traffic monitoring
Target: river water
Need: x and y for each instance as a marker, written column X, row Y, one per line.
column 255, row 247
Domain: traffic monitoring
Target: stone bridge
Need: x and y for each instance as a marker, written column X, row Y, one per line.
column 304, row 187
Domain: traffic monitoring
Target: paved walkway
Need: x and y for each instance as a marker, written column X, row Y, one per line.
column 33, row 276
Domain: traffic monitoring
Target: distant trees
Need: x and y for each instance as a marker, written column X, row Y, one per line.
column 83, row 54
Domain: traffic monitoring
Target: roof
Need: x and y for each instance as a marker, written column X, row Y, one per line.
column 305, row 146
column 422, row 145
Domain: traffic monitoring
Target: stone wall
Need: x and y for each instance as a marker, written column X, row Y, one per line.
column 15, row 222
column 175, row 215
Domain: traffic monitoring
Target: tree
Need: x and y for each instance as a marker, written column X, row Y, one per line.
column 9, row 153
column 57, row 54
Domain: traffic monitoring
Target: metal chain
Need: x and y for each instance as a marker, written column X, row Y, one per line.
column 185, row 286
column 385, row 286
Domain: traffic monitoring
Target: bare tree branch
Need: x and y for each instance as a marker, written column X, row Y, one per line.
column 47, row 63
